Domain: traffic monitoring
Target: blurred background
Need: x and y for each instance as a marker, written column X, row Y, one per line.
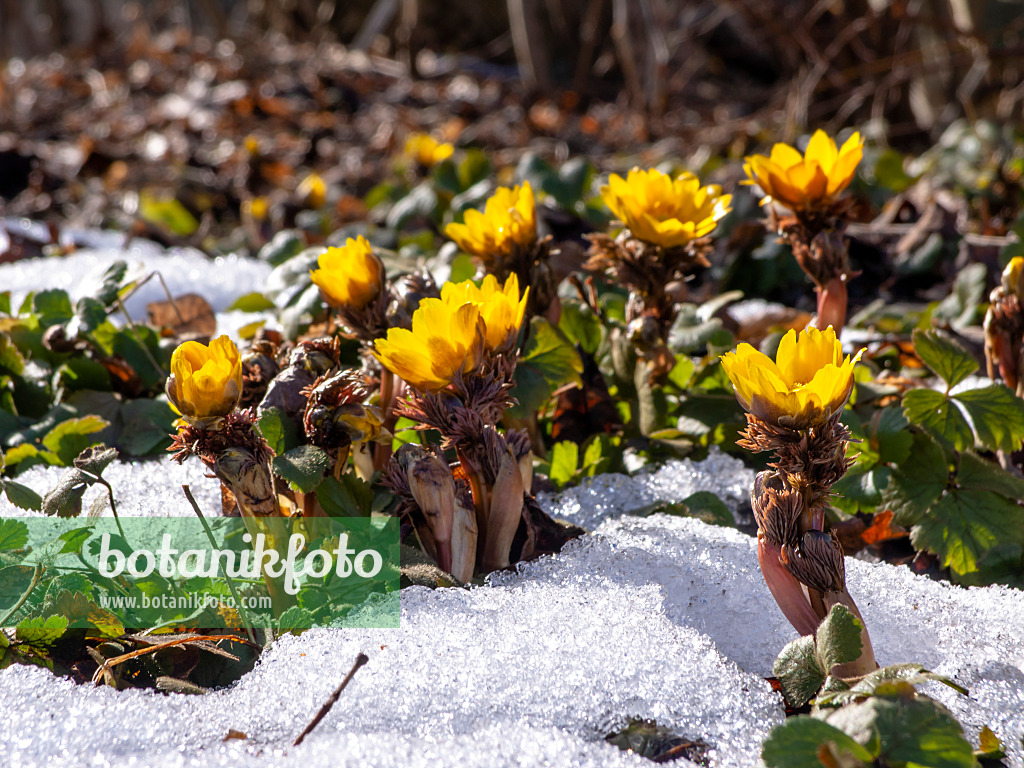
column 234, row 105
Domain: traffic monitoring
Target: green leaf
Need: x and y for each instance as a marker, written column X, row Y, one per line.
column 251, row 302
column 147, row 426
column 914, row 674
column 548, row 361
column 302, row 467
column 798, row 743
column 682, row 372
column 838, row 640
column 940, row 415
column 581, row 325
column 564, row 460
column 463, row 268
column 978, row 474
column 997, row 415
column 963, row 525
column 41, row 633
column 78, row 610
column 11, row 358
column 168, row 214
column 278, row 429
column 53, row 307
column 950, row 361
column 21, row 496
column 295, row 618
column 71, row 437
column 112, row 280
column 420, row 204
column 917, row 483
column 916, row 731
column 799, row 672
column 13, row 534
column 860, row 491
column 706, row 506
column 349, row 497
column 282, row 246
column 891, row 434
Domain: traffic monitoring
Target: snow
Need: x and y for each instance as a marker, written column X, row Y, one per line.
column 656, row 617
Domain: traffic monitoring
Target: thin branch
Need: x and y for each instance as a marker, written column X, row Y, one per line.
column 361, row 659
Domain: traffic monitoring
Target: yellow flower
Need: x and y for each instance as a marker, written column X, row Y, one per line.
column 811, row 180
column 313, row 189
column 205, row 382
column 810, row 382
column 501, row 308
column 507, row 225
column 664, row 211
column 426, row 150
column 1013, row 277
column 350, row 276
column 444, row 340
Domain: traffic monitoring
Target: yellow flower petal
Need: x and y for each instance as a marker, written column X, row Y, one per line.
column 808, row 181
column 808, row 383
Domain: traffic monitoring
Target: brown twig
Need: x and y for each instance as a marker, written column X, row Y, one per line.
column 361, row 659
column 182, row 640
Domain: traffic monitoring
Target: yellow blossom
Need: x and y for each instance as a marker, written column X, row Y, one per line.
column 350, row 276
column 501, row 308
column 664, row 211
column 807, row 181
column 1013, row 277
column 312, row 189
column 444, row 340
column 507, row 225
column 808, row 382
column 426, row 150
column 205, row 382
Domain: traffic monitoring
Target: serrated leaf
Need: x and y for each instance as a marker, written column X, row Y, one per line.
column 838, row 639
column 65, row 499
column 978, row 474
column 940, row 415
column 78, row 610
column 997, row 415
column 918, row 731
column 13, row 534
column 916, row 484
column 21, row 496
column 940, row 352
column 798, row 743
column 915, row 674
column 302, row 467
column 548, row 361
column 295, row 618
column 41, row 633
column 95, row 459
column 71, row 437
column 961, row 526
column 581, row 326
column 799, row 672
column 565, row 457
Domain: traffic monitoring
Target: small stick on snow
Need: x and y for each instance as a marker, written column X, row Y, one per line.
column 361, row 659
